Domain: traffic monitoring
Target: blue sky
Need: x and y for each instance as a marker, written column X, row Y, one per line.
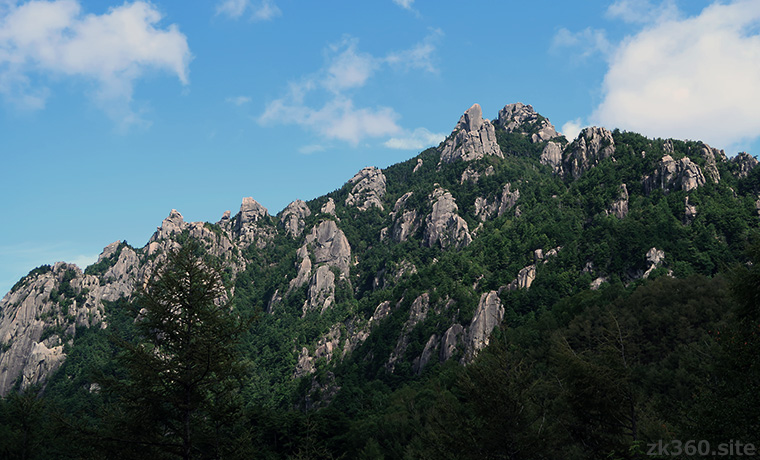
column 112, row 114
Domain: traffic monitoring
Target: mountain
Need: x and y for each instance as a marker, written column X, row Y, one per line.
column 406, row 273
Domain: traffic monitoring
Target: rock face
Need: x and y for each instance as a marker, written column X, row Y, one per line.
column 689, row 211
column 417, row 313
column 522, row 119
column 444, row 226
column 489, row 314
column 369, row 189
column 592, row 146
column 449, row 341
column 321, row 293
column 293, row 217
column 405, row 222
column 552, row 156
column 39, row 316
column 525, row 278
column 249, row 226
column 711, row 168
column 473, row 138
column 329, row 207
column 655, row 258
column 674, row 175
column 326, row 348
column 619, row 207
column 330, row 246
column 508, row 200
column 743, row 164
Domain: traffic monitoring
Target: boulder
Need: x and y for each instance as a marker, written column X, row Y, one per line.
column 473, row 138
column 329, row 207
column 654, row 257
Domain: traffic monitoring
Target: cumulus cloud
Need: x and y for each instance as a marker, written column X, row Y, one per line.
column 418, row 139
column 40, row 39
column 694, row 78
column 264, row 10
column 347, row 69
column 571, row 129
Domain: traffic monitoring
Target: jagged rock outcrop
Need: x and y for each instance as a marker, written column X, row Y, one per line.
column 593, row 145
column 38, row 316
column 405, row 222
column 421, row 361
column 488, row 315
column 552, row 156
column 522, row 119
column 329, row 207
column 444, row 226
column 321, row 294
column 525, row 278
column 654, row 257
column 619, row 207
column 368, row 190
column 449, row 341
column 743, row 164
column 417, row 313
column 330, row 246
column 249, row 226
column 293, row 217
column 672, row 175
column 689, row 211
column 473, row 138
column 326, row 347
column 508, row 200
column 711, row 168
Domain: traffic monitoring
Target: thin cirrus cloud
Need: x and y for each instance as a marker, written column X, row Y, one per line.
column 264, row 10
column 406, row 4
column 43, row 39
column 690, row 78
column 418, row 139
column 347, row 70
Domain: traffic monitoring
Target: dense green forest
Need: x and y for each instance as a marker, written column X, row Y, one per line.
column 604, row 354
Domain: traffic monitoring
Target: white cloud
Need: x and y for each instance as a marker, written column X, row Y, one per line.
column 238, row 100
column 311, row 148
column 54, row 38
column 694, row 78
column 587, row 42
column 406, row 4
column 347, row 69
column 571, row 129
column 232, row 8
column 264, row 10
column 643, row 11
column 420, row 56
column 418, row 139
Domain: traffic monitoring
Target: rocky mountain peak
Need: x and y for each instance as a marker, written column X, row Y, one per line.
column 473, row 138
column 593, row 145
column 251, row 211
column 672, row 174
column 521, row 118
column 293, row 217
column 743, row 164
column 369, row 189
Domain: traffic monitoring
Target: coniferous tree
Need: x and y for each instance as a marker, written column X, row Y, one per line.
column 178, row 396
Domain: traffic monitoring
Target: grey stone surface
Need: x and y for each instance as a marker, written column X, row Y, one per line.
column 593, row 145
column 473, row 138
column 444, row 226
column 523, row 119
column 368, row 189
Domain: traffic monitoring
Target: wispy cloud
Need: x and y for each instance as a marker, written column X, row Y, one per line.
column 44, row 39
column 406, row 4
column 263, row 10
column 238, row 100
column 583, row 44
column 418, row 139
column 643, row 11
column 347, row 69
